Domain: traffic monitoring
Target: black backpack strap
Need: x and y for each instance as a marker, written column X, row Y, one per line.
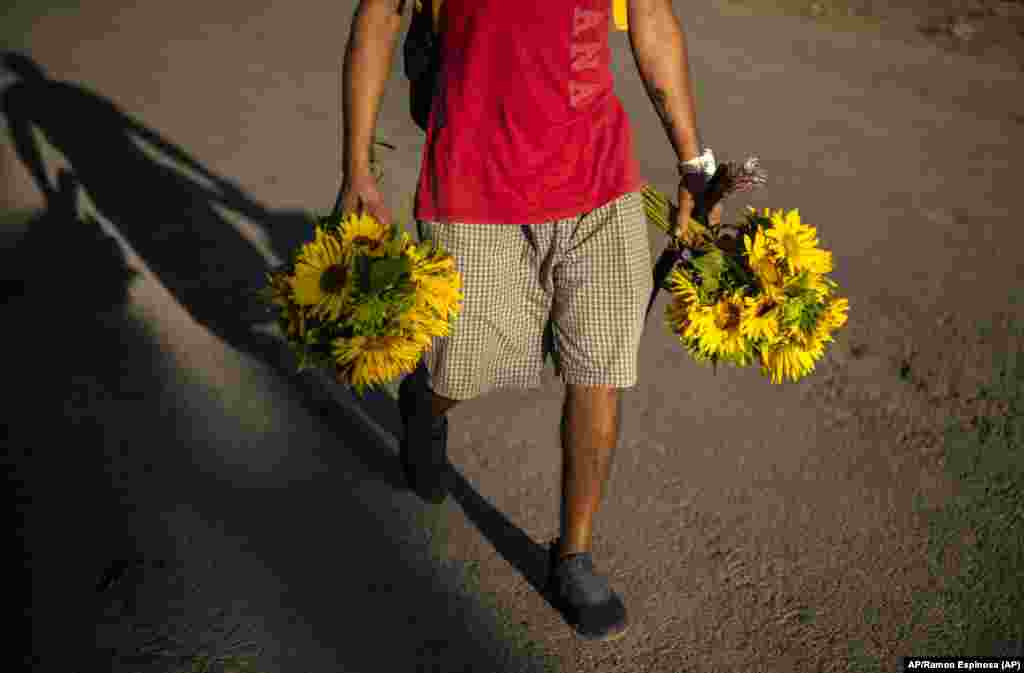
column 422, row 55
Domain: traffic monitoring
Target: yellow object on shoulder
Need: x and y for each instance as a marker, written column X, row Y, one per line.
column 619, row 13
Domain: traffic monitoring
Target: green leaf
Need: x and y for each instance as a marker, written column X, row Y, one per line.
column 386, row 271
column 740, row 272
column 792, row 310
column 810, row 314
column 424, row 248
column 424, row 232
column 394, row 248
column 368, row 315
column 700, row 227
column 711, row 264
column 707, row 292
column 711, row 284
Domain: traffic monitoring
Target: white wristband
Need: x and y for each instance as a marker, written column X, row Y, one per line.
column 705, row 163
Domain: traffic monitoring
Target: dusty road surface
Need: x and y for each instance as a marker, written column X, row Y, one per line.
column 748, row 526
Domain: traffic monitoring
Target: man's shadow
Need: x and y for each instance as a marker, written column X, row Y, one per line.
column 169, row 220
column 165, row 215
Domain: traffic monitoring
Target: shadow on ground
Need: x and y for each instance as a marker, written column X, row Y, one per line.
column 101, row 454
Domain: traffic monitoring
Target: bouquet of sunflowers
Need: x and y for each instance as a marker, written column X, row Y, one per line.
column 756, row 291
column 364, row 300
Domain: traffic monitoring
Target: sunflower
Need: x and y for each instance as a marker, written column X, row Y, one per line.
column 430, row 264
column 439, row 294
column 809, row 286
column 367, row 361
column 816, row 282
column 786, row 359
column 684, row 296
column 365, row 232
column 796, row 243
column 295, row 322
column 760, row 318
column 832, row 317
column 323, row 278
column 811, row 341
column 680, row 285
column 279, row 290
column 762, row 260
column 718, row 328
column 836, row 312
column 677, row 315
column 422, row 325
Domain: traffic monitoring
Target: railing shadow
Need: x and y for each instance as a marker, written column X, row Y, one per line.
column 168, row 218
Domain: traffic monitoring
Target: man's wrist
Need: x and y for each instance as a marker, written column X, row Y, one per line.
column 689, row 146
column 703, row 163
column 358, row 168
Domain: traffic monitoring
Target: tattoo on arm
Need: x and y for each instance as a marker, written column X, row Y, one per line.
column 401, row 7
column 658, row 97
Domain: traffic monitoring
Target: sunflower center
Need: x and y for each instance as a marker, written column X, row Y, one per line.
column 729, row 317
column 366, row 240
column 333, row 279
column 764, row 308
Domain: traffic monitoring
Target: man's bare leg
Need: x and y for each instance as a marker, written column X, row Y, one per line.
column 590, row 433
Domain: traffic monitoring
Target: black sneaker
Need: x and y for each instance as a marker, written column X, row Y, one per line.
column 424, row 445
column 585, row 598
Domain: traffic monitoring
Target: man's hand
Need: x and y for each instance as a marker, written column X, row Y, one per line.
column 691, row 193
column 360, row 194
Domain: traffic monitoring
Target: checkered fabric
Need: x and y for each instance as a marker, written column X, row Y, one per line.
column 591, row 273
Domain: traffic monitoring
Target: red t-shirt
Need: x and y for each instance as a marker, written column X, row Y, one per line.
column 525, row 125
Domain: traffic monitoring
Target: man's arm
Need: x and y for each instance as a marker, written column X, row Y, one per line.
column 659, row 48
column 368, row 60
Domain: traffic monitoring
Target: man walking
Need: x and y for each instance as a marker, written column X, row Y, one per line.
column 529, row 179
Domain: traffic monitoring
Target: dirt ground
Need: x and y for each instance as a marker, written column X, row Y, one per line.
column 771, row 529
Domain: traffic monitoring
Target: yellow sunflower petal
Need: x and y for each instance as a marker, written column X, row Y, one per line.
column 365, row 231
column 369, row 361
column 796, row 243
column 321, row 280
column 760, row 318
column 786, row 360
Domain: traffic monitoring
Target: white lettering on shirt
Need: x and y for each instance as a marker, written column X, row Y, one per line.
column 585, row 52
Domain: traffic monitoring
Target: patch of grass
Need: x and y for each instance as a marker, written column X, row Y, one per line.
column 861, row 660
column 433, row 519
column 20, row 17
column 982, row 607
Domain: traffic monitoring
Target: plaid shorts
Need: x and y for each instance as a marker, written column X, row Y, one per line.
column 591, row 274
